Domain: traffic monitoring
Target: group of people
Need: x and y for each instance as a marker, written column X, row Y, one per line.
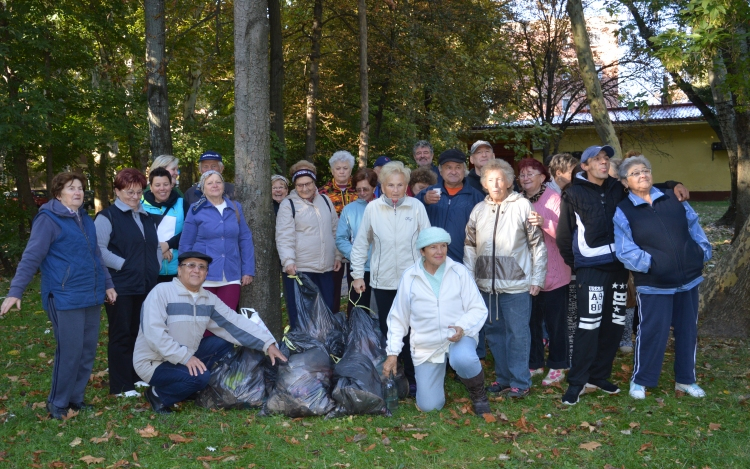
column 454, row 261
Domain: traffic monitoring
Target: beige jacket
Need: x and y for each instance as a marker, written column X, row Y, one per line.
column 307, row 238
column 392, row 232
column 173, row 323
column 502, row 250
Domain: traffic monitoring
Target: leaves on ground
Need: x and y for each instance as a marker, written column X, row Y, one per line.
column 88, row 459
column 177, row 438
column 77, row 441
column 148, row 432
column 590, row 446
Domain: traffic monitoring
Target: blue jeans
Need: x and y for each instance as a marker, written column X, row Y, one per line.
column 430, row 377
column 173, row 383
column 509, row 337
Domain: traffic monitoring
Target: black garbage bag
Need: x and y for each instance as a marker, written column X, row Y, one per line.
column 237, row 381
column 358, row 387
column 316, row 320
column 365, row 336
column 303, row 385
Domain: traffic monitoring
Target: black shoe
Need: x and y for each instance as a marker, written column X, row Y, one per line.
column 498, row 388
column 571, row 395
column 78, row 406
column 602, row 384
column 413, row 390
column 56, row 412
column 155, row 402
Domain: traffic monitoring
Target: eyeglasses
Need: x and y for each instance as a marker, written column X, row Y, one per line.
column 194, row 266
column 636, row 174
column 527, row 176
column 304, row 185
column 363, row 189
column 131, row 193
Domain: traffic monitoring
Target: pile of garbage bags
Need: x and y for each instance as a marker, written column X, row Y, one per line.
column 334, row 367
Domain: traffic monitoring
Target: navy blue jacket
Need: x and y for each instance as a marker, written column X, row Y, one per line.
column 451, row 213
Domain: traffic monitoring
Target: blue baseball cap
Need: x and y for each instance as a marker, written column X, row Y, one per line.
column 591, row 152
column 210, row 156
column 381, row 161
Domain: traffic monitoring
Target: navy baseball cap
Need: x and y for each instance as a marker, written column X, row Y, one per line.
column 210, row 156
column 381, row 161
column 591, row 152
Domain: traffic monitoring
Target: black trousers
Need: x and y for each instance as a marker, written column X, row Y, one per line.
column 384, row 299
column 124, row 320
column 601, row 317
column 550, row 308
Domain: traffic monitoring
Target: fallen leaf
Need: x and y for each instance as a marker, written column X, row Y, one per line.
column 634, row 424
column 230, row 458
column 419, row 436
column 590, row 446
column 503, row 417
column 77, row 441
column 645, row 446
column 370, row 448
column 148, row 432
column 38, row 405
column 88, row 459
column 210, row 458
column 489, row 418
column 714, row 426
column 71, row 413
column 386, row 441
column 292, row 441
column 359, row 437
column 178, row 438
column 625, row 432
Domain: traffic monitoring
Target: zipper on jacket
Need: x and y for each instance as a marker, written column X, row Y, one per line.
column 494, row 233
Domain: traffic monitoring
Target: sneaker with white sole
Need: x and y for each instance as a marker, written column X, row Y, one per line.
column 692, row 389
column 637, row 391
column 537, row 372
column 554, row 376
column 571, row 395
column 132, row 393
column 602, row 384
column 142, row 384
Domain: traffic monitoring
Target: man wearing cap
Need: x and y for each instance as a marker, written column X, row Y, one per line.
column 171, row 353
column 481, row 154
column 585, row 237
column 379, row 163
column 449, row 202
column 209, row 161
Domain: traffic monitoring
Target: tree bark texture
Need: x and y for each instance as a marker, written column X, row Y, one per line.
column 597, row 105
column 313, row 81
column 156, row 72
column 726, row 118
column 252, row 149
column 364, row 119
column 277, row 77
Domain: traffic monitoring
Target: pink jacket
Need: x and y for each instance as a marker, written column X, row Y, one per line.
column 558, row 272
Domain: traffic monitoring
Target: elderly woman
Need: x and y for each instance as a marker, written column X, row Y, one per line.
column 390, row 226
column 439, row 305
column 305, row 238
column 74, row 284
column 127, row 237
column 364, row 182
column 216, row 226
column 171, row 164
column 550, row 306
column 164, row 204
column 421, row 178
column 506, row 254
column 279, row 190
column 661, row 241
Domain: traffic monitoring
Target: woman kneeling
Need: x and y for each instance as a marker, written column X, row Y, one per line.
column 439, row 300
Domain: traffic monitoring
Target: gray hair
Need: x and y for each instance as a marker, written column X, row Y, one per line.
column 164, row 161
column 628, row 163
column 279, row 177
column 422, row 144
column 206, row 175
column 498, row 165
column 342, row 155
column 394, row 167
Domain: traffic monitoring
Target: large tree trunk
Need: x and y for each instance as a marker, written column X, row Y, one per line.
column 597, row 105
column 277, row 78
column 364, row 119
column 156, row 71
column 252, row 146
column 314, row 80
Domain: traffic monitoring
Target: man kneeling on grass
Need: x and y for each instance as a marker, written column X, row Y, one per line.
column 171, row 353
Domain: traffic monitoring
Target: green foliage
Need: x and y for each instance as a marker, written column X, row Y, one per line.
column 14, row 223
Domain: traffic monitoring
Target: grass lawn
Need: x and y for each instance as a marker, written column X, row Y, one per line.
column 600, row 432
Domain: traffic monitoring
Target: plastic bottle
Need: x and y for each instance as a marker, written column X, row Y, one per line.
column 390, row 393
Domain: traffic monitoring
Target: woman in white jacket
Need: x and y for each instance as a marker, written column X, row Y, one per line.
column 438, row 300
column 390, row 227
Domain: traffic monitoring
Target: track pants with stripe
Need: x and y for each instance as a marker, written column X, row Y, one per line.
column 601, row 317
column 657, row 314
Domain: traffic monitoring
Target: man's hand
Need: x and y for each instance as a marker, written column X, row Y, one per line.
column 195, row 366
column 681, row 192
column 274, row 353
column 431, row 197
column 389, row 367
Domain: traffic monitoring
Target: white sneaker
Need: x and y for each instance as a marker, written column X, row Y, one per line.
column 637, row 391
column 129, row 394
column 537, row 372
column 142, row 384
column 691, row 389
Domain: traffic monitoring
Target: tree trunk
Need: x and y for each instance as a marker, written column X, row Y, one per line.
column 314, row 80
column 103, row 181
column 252, row 149
column 156, row 72
column 364, row 119
column 597, row 105
column 726, row 118
column 277, row 78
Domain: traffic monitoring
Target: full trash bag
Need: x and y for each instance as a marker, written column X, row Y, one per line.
column 237, row 381
column 302, row 385
column 358, row 387
column 316, row 320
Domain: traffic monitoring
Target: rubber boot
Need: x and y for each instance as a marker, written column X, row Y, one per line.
column 477, row 393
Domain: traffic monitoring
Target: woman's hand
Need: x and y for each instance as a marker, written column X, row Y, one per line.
column 336, row 266
column 8, row 303
column 111, row 296
column 166, row 253
column 389, row 367
column 535, row 219
column 291, row 269
column 534, row 290
column 681, row 192
column 458, row 335
column 358, row 285
column 273, row 353
column 246, row 280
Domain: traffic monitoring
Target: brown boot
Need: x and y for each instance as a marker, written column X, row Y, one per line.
column 477, row 393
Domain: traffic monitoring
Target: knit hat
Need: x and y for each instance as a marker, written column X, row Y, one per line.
column 591, row 152
column 432, row 235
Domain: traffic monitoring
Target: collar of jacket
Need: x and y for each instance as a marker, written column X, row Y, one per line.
column 57, row 207
column 150, row 198
column 126, row 208
column 512, row 197
column 204, row 203
column 582, row 180
column 182, row 290
column 389, row 202
column 294, row 195
column 416, row 270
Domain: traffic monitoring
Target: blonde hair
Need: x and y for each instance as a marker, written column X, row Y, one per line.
column 498, row 165
column 164, row 161
column 394, row 167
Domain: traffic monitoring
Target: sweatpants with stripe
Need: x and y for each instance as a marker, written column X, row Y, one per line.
column 601, row 317
column 657, row 314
